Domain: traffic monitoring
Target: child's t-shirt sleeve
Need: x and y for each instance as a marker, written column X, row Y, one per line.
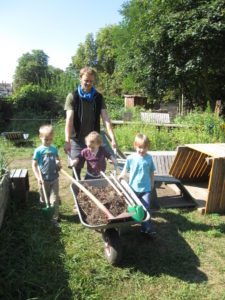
column 152, row 166
column 36, row 155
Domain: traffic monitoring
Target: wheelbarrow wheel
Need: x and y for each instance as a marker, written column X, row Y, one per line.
column 112, row 246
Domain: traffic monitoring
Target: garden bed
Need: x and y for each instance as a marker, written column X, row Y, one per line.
column 4, row 196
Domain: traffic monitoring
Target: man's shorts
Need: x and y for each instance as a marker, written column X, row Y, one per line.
column 76, row 148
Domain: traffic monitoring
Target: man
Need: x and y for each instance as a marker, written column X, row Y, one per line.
column 84, row 108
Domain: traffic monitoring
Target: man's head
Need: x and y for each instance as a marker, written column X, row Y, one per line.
column 87, row 78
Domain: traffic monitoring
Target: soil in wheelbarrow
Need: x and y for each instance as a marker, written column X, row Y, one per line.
column 108, row 197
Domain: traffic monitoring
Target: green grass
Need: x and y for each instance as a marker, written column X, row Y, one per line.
column 186, row 261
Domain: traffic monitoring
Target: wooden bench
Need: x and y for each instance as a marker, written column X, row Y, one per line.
column 162, row 161
column 15, row 136
column 156, row 118
column 19, row 184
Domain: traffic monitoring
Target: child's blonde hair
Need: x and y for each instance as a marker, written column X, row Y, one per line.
column 46, row 130
column 93, row 138
column 141, row 140
column 88, row 71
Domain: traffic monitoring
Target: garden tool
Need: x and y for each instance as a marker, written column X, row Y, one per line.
column 107, row 213
column 111, row 183
column 131, row 192
column 48, row 210
column 137, row 210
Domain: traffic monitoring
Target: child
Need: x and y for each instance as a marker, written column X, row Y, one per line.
column 141, row 178
column 46, row 160
column 95, row 154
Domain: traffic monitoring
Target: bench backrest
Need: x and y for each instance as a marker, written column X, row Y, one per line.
column 162, row 163
column 157, row 118
column 13, row 135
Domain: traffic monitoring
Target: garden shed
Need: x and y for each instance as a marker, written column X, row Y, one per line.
column 134, row 100
column 203, row 162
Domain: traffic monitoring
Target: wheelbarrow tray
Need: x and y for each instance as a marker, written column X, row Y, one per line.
column 100, row 183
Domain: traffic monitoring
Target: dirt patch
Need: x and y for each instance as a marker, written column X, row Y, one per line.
column 108, row 197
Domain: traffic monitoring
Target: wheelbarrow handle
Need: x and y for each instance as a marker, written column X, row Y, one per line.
column 131, row 201
column 90, row 195
column 111, row 183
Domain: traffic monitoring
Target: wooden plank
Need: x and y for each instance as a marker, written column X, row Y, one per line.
column 189, row 161
column 186, row 159
column 218, row 186
column 177, row 164
column 155, row 117
column 215, row 186
column 198, row 156
column 222, row 196
column 214, row 150
column 23, row 173
column 17, row 173
column 199, row 165
column 12, row 172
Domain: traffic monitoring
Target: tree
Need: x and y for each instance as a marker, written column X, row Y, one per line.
column 32, row 68
column 105, row 48
column 174, row 45
column 86, row 54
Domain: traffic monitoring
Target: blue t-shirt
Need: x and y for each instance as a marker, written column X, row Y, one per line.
column 140, row 169
column 46, row 158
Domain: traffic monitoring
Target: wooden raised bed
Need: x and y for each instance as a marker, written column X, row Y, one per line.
column 203, row 162
column 4, row 196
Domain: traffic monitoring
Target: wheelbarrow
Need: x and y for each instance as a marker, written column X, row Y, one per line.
column 110, row 230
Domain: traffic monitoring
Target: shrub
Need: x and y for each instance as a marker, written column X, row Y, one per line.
column 33, row 98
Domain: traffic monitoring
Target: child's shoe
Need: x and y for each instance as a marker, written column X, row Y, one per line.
column 148, row 233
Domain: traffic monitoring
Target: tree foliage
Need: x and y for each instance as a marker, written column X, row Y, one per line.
column 175, row 44
column 162, row 49
column 32, row 68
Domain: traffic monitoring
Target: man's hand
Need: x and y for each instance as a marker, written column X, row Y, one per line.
column 67, row 147
column 114, row 144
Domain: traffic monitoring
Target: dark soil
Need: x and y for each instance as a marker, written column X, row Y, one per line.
column 108, row 197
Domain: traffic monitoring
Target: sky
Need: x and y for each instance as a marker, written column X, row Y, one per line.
column 55, row 26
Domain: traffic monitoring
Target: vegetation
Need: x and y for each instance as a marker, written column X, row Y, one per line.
column 186, row 261
column 164, row 50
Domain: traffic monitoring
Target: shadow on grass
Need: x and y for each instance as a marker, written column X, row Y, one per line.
column 168, row 254
column 31, row 255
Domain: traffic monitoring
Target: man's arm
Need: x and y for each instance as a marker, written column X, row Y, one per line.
column 108, row 125
column 68, row 129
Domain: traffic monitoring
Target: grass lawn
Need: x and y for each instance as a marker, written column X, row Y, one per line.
column 186, row 261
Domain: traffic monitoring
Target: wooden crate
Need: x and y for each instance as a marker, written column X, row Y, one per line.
column 19, row 184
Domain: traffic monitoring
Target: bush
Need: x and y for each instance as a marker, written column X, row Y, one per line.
column 35, row 99
column 3, row 164
column 5, row 111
